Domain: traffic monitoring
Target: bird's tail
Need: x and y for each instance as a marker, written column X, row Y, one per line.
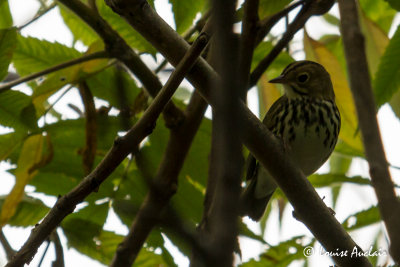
column 250, row 205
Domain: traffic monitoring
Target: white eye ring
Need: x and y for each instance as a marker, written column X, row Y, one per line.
column 303, row 77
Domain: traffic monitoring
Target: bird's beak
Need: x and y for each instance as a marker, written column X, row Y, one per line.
column 279, row 79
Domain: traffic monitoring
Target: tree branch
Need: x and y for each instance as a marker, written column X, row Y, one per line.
column 89, row 151
column 121, row 148
column 257, row 138
column 309, row 9
column 248, row 42
column 84, row 58
column 166, row 180
column 360, row 84
column 226, row 158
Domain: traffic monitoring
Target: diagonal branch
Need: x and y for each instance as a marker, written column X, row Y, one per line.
column 360, row 83
column 256, row 137
column 121, row 148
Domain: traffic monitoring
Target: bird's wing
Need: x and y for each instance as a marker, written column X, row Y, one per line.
column 275, row 108
column 251, row 162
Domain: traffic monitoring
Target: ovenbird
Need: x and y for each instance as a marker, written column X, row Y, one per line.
column 307, row 122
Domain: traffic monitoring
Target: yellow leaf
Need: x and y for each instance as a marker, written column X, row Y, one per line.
column 93, row 66
column 268, row 94
column 30, row 156
column 376, row 42
column 317, row 52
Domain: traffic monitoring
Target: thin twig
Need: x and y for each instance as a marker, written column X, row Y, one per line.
column 59, row 260
column 44, row 253
column 360, row 84
column 11, row 76
column 10, row 252
column 58, row 99
column 265, row 25
column 310, row 8
column 38, row 15
column 84, row 58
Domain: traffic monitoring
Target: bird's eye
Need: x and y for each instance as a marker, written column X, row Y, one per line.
column 302, row 78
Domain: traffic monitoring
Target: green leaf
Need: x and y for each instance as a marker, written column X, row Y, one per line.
column 124, row 89
column 132, row 37
column 148, row 258
column 331, row 19
column 374, row 259
column 13, row 105
column 29, row 211
column 387, row 79
column 6, row 20
column 96, row 214
column 321, row 180
column 245, row 231
column 8, row 40
column 88, row 238
column 79, row 29
column 380, row 12
column 362, row 219
column 54, row 81
column 185, row 12
column 282, row 254
column 189, row 199
column 339, row 164
column 395, row 103
column 345, row 150
column 376, row 41
column 267, row 7
column 29, row 158
column 84, row 233
column 65, row 170
column 33, row 55
column 394, row 4
column 8, row 142
column 57, row 80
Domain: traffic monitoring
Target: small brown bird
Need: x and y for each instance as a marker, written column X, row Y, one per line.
column 307, row 121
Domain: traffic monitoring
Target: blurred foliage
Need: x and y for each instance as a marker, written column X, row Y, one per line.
column 44, row 145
